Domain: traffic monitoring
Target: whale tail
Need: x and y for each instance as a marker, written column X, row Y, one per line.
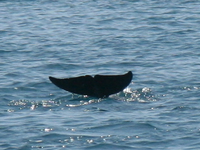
column 100, row 86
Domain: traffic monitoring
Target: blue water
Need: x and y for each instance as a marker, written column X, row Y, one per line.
column 159, row 41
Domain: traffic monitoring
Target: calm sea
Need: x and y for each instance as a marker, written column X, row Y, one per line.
column 159, row 41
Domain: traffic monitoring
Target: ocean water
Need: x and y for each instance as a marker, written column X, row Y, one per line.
column 159, row 41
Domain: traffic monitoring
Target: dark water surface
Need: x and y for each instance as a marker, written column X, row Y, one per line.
column 158, row 41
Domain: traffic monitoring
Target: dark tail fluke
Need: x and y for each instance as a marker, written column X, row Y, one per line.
column 99, row 86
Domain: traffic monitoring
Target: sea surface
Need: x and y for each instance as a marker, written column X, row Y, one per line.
column 159, row 41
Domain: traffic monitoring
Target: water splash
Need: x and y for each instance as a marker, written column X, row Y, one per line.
column 140, row 95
